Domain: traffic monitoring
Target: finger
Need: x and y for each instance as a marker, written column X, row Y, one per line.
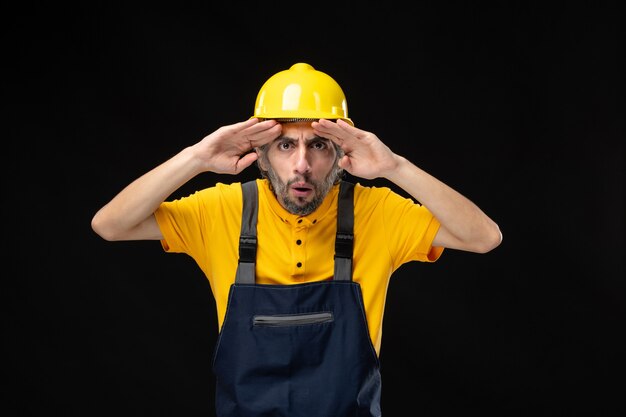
column 251, row 126
column 342, row 129
column 258, row 126
column 267, row 135
column 345, row 125
column 238, row 127
column 327, row 126
column 351, row 130
column 245, row 161
column 335, row 139
column 328, row 130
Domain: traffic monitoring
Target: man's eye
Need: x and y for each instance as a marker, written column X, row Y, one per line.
column 284, row 145
column 319, row 145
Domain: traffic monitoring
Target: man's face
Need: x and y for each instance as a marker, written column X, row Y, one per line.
column 301, row 167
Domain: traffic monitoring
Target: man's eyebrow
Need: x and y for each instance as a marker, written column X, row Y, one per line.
column 316, row 139
column 285, row 138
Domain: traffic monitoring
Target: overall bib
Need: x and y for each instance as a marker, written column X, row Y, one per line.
column 300, row 350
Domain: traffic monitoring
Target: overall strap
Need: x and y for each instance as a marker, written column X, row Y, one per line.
column 343, row 241
column 345, row 232
column 247, row 236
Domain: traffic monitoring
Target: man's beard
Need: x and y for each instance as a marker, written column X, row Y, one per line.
column 320, row 189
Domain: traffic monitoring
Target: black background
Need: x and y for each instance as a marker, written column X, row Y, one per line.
column 518, row 105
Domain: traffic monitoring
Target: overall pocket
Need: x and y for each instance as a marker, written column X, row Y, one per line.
column 280, row 320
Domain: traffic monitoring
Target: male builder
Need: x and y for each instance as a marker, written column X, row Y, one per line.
column 299, row 260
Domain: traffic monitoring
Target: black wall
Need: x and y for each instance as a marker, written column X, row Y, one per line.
column 518, row 105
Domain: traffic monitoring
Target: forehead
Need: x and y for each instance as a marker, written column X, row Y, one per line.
column 297, row 130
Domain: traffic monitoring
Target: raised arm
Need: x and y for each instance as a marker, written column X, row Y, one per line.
column 464, row 225
column 129, row 215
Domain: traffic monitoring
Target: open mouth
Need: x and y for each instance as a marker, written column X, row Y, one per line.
column 301, row 189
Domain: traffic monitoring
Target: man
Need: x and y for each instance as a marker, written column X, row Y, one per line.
column 298, row 261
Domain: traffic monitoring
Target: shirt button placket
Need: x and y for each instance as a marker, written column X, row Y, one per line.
column 299, row 252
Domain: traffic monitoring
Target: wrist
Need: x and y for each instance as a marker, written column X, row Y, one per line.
column 189, row 160
column 397, row 169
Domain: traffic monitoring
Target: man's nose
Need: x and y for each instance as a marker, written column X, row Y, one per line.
column 302, row 162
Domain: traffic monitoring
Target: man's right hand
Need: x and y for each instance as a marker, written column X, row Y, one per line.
column 229, row 149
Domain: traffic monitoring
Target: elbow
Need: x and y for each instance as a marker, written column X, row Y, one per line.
column 481, row 239
column 100, row 228
column 491, row 240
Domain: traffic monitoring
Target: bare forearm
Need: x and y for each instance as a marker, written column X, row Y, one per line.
column 464, row 225
column 129, row 214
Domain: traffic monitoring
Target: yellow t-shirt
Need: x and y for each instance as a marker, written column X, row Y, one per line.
column 389, row 230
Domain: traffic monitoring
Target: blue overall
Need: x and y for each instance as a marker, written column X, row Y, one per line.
column 296, row 350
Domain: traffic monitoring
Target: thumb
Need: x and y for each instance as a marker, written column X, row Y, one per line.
column 344, row 163
column 245, row 161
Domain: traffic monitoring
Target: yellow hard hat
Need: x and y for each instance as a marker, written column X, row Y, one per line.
column 301, row 92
